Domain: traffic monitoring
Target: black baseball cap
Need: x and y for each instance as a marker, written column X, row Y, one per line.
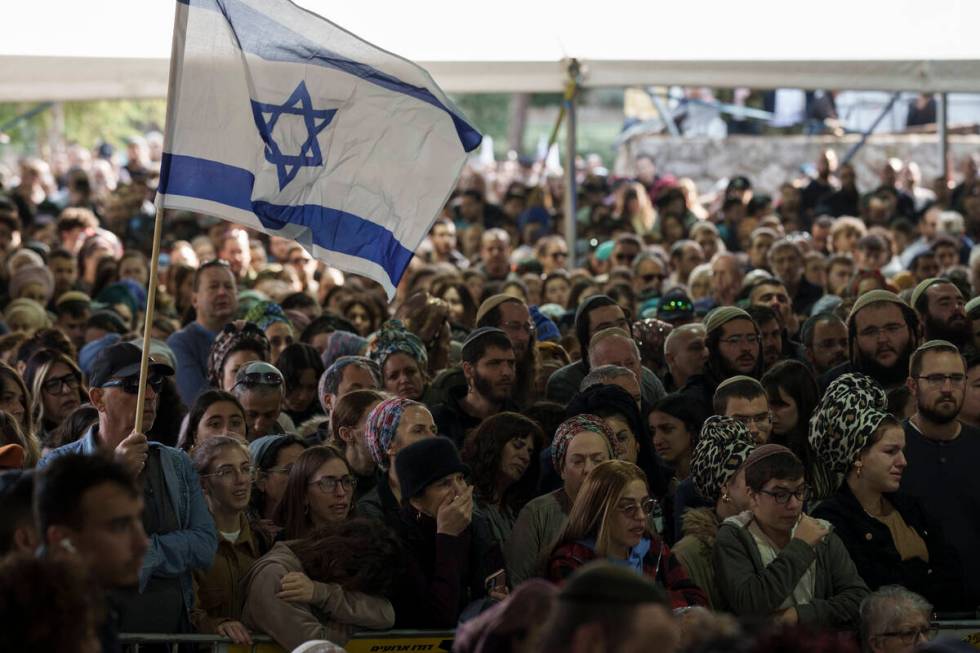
column 120, row 361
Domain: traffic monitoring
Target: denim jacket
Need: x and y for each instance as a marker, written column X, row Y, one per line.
column 172, row 554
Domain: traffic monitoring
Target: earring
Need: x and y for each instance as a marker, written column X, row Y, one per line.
column 725, row 498
column 858, row 468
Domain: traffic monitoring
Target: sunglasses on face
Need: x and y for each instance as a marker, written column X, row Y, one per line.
column 131, row 384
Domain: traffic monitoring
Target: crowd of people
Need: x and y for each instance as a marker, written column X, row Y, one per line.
column 723, row 422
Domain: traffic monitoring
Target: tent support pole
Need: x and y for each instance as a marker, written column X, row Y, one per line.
column 942, row 132
column 665, row 115
column 571, row 192
column 867, row 132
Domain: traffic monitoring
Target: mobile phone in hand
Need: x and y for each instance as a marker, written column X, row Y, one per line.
column 495, row 581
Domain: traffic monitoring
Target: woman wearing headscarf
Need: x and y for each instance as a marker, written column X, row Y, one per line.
column 342, row 343
column 580, row 443
column 716, row 468
column 403, row 360
column 391, row 426
column 272, row 320
column 890, row 537
column 238, row 343
column 631, row 436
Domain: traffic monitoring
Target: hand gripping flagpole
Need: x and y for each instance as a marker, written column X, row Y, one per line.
column 151, row 297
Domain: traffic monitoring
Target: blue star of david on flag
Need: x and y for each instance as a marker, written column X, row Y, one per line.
column 315, row 121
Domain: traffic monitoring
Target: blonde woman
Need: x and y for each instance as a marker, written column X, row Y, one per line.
column 56, row 388
column 610, row 520
column 15, row 400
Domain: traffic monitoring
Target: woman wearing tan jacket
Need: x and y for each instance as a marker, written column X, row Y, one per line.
column 326, row 586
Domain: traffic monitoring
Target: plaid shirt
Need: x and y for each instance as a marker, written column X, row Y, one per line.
column 659, row 565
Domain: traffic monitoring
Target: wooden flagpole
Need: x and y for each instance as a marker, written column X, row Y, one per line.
column 151, row 297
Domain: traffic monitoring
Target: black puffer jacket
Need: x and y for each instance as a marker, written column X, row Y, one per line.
column 877, row 560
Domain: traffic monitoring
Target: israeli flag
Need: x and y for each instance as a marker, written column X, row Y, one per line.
column 279, row 120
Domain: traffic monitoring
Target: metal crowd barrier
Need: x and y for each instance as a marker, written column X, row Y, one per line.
column 134, row 643
column 389, row 641
column 967, row 630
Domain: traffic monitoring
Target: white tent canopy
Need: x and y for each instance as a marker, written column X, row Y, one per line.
column 103, row 49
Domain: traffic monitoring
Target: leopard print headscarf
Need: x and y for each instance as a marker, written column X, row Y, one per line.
column 849, row 413
column 724, row 446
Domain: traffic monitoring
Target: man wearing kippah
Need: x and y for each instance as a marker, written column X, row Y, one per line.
column 882, row 333
column 489, row 368
column 941, row 310
column 942, row 454
column 734, row 347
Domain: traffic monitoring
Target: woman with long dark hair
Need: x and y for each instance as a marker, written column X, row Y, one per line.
column 675, row 422
column 348, row 426
column 320, row 491
column 301, row 368
column 502, row 454
column 215, row 412
column 462, row 308
column 324, row 586
column 793, row 396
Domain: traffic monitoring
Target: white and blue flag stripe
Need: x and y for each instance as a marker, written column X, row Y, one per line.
column 279, row 120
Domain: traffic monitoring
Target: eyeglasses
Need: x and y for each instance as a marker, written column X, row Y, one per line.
column 888, row 330
column 939, row 380
column 633, row 509
column 131, row 384
column 782, row 496
column 261, row 378
column 626, row 258
column 911, row 636
column 226, row 472
column 526, row 327
column 747, row 420
column 60, row 384
column 677, row 305
column 752, row 339
column 329, row 484
column 557, row 255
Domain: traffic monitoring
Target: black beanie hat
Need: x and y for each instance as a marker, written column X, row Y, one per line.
column 421, row 464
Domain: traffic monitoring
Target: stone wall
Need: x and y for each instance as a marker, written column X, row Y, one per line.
column 771, row 160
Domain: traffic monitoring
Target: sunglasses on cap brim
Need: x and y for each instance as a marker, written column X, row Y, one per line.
column 131, row 384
